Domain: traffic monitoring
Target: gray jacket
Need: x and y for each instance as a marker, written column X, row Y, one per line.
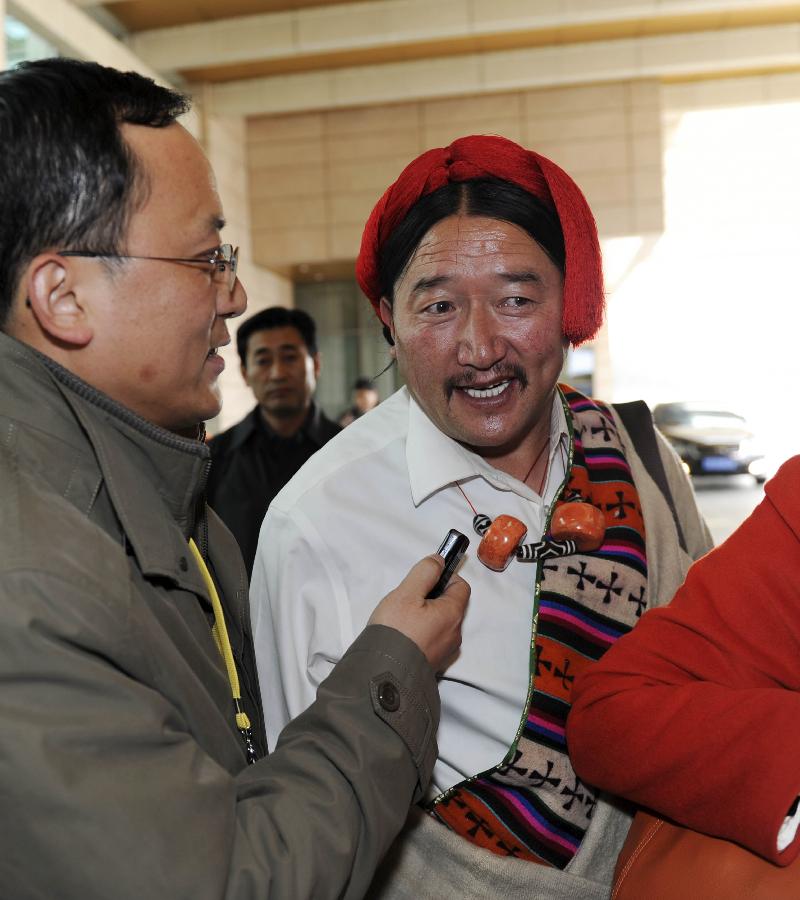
column 121, row 769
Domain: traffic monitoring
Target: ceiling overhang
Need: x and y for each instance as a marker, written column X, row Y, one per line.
column 664, row 57
column 346, row 35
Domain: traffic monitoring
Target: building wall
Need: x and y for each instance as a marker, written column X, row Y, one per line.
column 316, row 176
column 224, row 140
column 710, row 309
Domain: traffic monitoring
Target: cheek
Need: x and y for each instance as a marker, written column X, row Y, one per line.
column 541, row 339
column 425, row 348
column 147, row 374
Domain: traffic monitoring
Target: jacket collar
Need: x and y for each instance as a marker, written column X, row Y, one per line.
column 145, row 468
column 318, row 427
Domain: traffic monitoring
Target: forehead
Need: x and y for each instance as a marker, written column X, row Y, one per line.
column 272, row 340
column 181, row 202
column 462, row 244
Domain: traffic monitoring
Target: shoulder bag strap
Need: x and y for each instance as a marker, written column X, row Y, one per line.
column 638, row 421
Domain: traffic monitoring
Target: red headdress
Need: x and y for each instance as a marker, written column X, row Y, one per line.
column 484, row 156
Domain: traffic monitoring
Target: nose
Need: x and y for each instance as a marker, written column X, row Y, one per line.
column 478, row 342
column 231, row 303
column 277, row 369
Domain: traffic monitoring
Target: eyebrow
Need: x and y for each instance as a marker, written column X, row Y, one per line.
column 520, row 277
column 524, row 277
column 262, row 350
column 216, row 222
column 425, row 284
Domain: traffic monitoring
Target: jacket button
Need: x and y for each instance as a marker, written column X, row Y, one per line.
column 388, row 696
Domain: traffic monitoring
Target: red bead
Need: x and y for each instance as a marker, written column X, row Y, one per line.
column 579, row 522
column 500, row 542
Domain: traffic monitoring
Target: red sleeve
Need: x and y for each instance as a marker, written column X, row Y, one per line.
column 696, row 713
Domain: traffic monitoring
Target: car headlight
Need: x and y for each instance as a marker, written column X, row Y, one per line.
column 750, row 447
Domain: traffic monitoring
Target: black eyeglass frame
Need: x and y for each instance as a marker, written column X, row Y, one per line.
column 224, row 258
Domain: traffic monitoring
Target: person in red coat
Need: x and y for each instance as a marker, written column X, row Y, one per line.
column 696, row 713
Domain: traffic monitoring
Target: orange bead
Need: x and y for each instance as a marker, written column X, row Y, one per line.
column 579, row 522
column 497, row 548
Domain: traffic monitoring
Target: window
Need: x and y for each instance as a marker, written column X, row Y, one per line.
column 23, row 44
column 350, row 339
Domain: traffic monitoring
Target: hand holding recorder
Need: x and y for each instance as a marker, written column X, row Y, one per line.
column 432, row 620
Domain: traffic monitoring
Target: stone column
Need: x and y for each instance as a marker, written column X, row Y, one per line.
column 224, row 140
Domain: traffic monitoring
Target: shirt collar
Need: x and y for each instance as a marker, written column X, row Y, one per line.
column 435, row 461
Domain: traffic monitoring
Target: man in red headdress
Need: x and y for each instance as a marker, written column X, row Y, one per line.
column 483, row 264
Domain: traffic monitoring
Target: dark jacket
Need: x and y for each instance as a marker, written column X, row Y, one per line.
column 251, row 464
column 122, row 772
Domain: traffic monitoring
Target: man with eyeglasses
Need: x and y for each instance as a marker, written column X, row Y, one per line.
column 132, row 748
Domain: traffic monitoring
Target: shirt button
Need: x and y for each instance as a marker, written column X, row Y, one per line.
column 388, row 696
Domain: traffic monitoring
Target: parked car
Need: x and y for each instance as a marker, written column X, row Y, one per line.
column 710, row 441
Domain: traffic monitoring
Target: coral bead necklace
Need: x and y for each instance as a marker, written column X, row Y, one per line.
column 576, row 526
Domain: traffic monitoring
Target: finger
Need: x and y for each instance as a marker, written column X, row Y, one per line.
column 424, row 575
column 457, row 591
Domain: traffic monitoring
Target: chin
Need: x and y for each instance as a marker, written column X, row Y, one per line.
column 284, row 412
column 193, row 420
column 213, row 403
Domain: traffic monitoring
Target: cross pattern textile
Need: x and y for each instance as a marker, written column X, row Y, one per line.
column 533, row 806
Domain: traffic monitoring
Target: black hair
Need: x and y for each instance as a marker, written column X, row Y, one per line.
column 362, row 383
column 277, row 317
column 490, row 197
column 67, row 177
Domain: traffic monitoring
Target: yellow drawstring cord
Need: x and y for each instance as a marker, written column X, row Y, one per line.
column 220, row 633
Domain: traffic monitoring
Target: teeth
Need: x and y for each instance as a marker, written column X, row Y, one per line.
column 493, row 391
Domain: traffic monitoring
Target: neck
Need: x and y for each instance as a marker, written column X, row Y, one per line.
column 528, row 459
column 285, row 426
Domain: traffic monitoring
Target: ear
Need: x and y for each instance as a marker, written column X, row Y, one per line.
column 317, row 358
column 243, row 370
column 385, row 312
column 49, row 283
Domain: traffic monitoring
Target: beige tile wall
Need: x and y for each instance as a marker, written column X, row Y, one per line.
column 224, row 141
column 314, row 177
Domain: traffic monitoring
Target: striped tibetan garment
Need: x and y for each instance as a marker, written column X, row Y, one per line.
column 533, row 806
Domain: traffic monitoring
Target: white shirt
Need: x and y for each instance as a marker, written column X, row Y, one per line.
column 346, row 530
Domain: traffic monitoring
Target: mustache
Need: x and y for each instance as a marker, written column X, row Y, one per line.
column 470, row 376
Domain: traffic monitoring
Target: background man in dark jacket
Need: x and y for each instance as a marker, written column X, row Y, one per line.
column 129, row 706
column 253, row 460
column 365, row 398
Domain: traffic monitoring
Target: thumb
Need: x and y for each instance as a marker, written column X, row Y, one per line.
column 424, row 575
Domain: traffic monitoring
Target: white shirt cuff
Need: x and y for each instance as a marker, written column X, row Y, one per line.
column 789, row 828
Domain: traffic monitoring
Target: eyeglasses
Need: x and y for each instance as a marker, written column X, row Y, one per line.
column 224, row 260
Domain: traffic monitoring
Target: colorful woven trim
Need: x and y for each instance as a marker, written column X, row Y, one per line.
column 533, row 806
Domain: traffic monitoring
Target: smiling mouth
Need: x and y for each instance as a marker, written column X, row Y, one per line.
column 496, row 382
column 493, row 390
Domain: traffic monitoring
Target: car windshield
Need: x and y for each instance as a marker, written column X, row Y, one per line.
column 700, row 418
